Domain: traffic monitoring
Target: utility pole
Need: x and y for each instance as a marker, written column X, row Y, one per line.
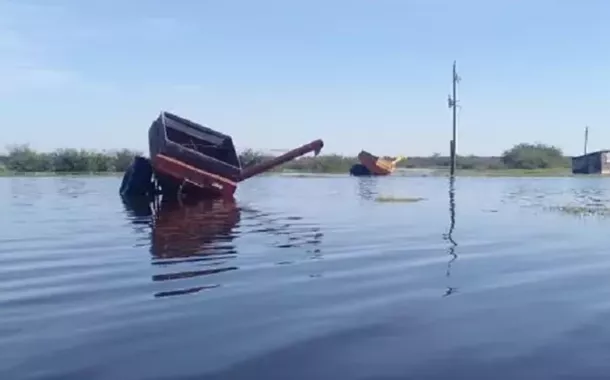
column 453, row 105
column 586, row 138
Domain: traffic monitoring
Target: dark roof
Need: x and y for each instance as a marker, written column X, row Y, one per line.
column 593, row 153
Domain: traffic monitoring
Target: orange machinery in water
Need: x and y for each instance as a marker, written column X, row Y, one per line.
column 376, row 165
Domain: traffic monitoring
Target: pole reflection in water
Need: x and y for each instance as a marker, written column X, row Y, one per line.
column 449, row 235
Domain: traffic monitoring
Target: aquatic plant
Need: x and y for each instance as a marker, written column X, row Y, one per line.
column 585, row 210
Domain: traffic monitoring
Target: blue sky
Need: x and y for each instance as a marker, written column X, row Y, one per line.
column 361, row 74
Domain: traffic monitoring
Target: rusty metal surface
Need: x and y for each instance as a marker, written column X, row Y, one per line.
column 376, row 165
column 314, row 146
column 181, row 231
column 187, row 174
column 195, row 145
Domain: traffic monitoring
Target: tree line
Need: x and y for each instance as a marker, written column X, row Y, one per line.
column 23, row 159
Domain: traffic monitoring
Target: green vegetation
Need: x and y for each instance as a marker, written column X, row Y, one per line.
column 535, row 156
column 582, row 211
column 522, row 159
column 23, row 159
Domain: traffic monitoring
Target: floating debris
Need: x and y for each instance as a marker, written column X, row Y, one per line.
column 387, row 199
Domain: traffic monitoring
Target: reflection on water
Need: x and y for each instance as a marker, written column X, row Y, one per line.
column 367, row 188
column 580, row 197
column 138, row 210
column 449, row 235
column 288, row 231
column 199, row 234
column 361, row 297
column 201, row 228
column 25, row 193
column 186, row 236
column 72, row 187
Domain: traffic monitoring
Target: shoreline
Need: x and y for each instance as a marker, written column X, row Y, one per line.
column 400, row 172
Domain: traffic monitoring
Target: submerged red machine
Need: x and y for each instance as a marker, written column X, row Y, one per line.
column 191, row 159
column 371, row 165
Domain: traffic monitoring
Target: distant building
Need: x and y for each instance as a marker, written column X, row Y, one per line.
column 592, row 163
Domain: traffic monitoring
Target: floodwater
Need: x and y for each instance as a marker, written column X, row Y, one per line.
column 307, row 278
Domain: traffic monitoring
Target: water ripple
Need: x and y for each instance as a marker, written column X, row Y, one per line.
column 304, row 278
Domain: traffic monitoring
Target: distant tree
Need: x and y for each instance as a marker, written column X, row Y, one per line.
column 21, row 158
column 251, row 157
column 121, row 159
column 71, row 161
column 534, row 156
